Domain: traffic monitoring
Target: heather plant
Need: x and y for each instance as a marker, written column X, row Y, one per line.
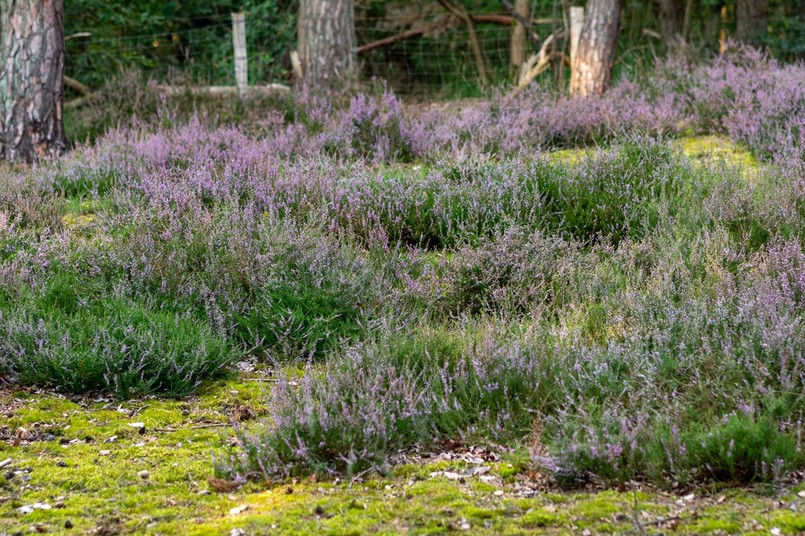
column 80, row 339
column 673, row 363
column 371, row 128
column 281, row 292
column 512, row 273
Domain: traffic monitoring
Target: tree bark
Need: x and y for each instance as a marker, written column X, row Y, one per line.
column 751, row 18
column 327, row 45
column 671, row 14
column 31, row 78
column 591, row 71
column 518, row 48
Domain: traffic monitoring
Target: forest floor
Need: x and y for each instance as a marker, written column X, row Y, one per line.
column 76, row 465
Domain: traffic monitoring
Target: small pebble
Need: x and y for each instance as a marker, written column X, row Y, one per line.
column 68, row 524
column 143, row 474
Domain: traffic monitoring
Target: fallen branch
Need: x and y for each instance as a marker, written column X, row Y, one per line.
column 270, row 89
column 81, row 101
column 75, row 85
column 77, row 35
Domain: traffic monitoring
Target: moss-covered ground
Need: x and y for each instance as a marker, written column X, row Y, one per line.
column 79, row 467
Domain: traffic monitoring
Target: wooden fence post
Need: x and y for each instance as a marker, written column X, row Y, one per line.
column 576, row 25
column 241, row 61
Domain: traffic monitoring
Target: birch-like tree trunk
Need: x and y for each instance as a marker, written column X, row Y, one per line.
column 592, row 65
column 31, row 78
column 327, row 44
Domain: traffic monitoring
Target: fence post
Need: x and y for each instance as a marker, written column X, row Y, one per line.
column 239, row 43
column 576, row 25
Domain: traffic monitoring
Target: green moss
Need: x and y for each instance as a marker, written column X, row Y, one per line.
column 93, row 488
column 538, row 518
column 717, row 525
column 715, row 148
column 788, row 522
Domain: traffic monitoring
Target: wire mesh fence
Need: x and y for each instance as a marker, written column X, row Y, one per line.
column 412, row 54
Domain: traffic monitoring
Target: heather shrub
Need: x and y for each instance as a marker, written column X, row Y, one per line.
column 393, row 392
column 743, row 93
column 620, row 193
column 515, row 272
column 282, row 292
column 319, row 296
column 744, row 448
column 623, row 192
column 372, row 128
column 621, row 388
column 76, row 337
column 25, row 203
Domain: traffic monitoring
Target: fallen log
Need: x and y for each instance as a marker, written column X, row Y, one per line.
column 269, row 89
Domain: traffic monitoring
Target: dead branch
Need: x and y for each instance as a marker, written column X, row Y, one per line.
column 82, row 101
column 502, row 20
column 77, row 35
column 536, row 64
column 505, row 20
column 75, row 85
column 400, row 37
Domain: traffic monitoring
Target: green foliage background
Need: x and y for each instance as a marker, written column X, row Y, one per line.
column 189, row 41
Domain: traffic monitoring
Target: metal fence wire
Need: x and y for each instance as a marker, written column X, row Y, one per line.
column 409, row 53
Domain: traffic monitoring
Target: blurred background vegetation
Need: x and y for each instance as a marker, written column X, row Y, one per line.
column 189, row 41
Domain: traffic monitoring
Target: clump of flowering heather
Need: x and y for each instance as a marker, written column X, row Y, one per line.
column 658, row 378
column 371, row 128
column 78, row 334
column 750, row 97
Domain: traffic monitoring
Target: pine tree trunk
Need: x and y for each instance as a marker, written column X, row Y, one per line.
column 327, row 44
column 592, row 65
column 751, row 18
column 31, row 78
